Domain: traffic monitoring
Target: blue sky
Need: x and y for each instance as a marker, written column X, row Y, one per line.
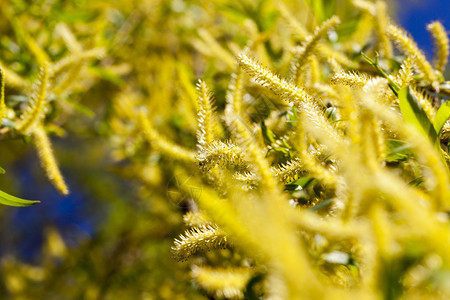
column 415, row 14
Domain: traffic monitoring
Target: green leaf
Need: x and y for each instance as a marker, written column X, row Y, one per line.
column 374, row 63
column 268, row 135
column 442, row 115
column 9, row 200
column 398, row 151
column 2, row 171
column 302, row 182
column 321, row 205
column 414, row 114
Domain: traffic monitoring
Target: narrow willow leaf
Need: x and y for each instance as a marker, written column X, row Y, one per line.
column 374, row 63
column 414, row 114
column 9, row 200
column 398, row 151
column 442, row 115
column 302, row 182
column 267, row 134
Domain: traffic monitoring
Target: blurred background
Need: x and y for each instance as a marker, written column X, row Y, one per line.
column 110, row 237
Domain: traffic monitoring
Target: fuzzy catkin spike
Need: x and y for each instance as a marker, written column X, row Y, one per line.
column 222, row 154
column 302, row 54
column 409, row 47
column 223, row 282
column 13, row 79
column 441, row 43
column 205, row 131
column 2, row 95
column 75, row 58
column 365, row 5
column 202, row 238
column 48, row 160
column 196, row 218
column 36, row 108
column 255, row 154
column 161, row 143
column 351, row 79
column 382, row 20
column 288, row 92
column 234, row 95
column 298, row 28
column 406, row 73
column 326, row 52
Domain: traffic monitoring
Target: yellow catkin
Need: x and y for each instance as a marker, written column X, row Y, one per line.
column 12, row 79
column 226, row 283
column 234, row 95
column 302, row 54
column 195, row 218
column 382, row 20
column 75, row 58
column 365, row 5
column 247, row 142
column 202, row 238
column 48, row 160
column 315, row 69
column 425, row 101
column 426, row 152
column 209, row 46
column 161, row 143
column 351, row 79
column 222, row 154
column 406, row 73
column 307, row 161
column 441, row 43
column 2, row 95
column 36, row 108
column 69, row 38
column 369, row 141
column 409, row 47
column 298, row 28
column 326, row 52
column 205, row 131
column 290, row 93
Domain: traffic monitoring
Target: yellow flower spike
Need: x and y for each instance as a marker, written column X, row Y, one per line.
column 382, row 20
column 35, row 110
column 221, row 153
column 288, row 92
column 206, row 130
column 47, row 159
column 302, row 54
column 234, row 96
column 351, row 79
column 326, row 52
column 2, row 95
column 162, row 144
column 406, row 44
column 406, row 73
column 13, row 79
column 315, row 69
column 208, row 45
column 226, row 283
column 441, row 42
column 202, row 238
column 297, row 28
column 196, row 218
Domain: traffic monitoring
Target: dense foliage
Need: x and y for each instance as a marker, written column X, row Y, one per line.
column 306, row 152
